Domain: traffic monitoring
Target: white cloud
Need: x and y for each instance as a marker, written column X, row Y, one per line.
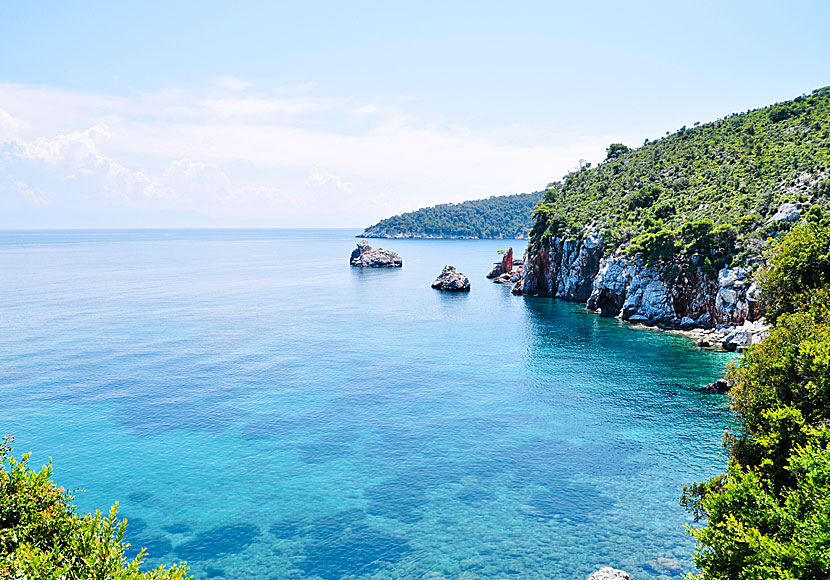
column 316, row 177
column 34, row 196
column 228, row 151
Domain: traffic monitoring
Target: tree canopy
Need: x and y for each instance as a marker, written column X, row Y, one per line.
column 505, row 216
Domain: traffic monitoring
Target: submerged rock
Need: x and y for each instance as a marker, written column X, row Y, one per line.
column 609, row 573
column 365, row 256
column 451, row 280
column 721, row 385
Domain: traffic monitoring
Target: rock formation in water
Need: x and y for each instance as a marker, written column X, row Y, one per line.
column 609, row 573
column 365, row 256
column 663, row 295
column 503, row 273
column 451, row 280
column 503, row 267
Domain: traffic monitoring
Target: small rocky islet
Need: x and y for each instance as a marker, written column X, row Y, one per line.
column 451, row 280
column 502, row 272
column 366, row 256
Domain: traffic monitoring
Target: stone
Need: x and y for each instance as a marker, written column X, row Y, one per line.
column 670, row 296
column 703, row 343
column 609, row 573
column 565, row 268
column 451, row 280
column 788, row 212
column 365, row 256
column 720, row 385
column 735, row 339
column 503, row 267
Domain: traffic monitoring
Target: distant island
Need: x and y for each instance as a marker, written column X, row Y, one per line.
column 496, row 217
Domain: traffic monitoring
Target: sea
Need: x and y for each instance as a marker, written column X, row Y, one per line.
column 262, row 410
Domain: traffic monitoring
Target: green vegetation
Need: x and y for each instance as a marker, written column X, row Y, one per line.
column 505, row 216
column 768, row 516
column 41, row 536
column 709, row 190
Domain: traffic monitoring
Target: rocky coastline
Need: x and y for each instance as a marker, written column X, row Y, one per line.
column 720, row 311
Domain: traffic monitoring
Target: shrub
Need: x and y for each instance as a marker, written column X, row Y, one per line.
column 41, row 536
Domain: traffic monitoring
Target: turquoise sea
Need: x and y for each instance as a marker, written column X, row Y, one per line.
column 264, row 411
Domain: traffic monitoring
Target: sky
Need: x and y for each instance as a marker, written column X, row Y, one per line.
column 338, row 114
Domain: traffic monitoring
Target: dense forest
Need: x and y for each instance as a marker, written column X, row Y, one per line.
column 709, row 189
column 504, row 216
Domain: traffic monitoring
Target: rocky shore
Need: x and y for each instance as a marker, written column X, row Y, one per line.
column 719, row 311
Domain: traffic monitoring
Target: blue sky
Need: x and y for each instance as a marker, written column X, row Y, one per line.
column 278, row 114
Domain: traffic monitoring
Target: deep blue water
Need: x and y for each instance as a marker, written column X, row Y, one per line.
column 264, row 411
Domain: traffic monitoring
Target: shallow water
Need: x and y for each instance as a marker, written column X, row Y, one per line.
column 262, row 410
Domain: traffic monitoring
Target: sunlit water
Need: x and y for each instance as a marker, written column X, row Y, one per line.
column 264, row 411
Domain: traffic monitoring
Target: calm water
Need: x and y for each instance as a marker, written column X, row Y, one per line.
column 263, row 411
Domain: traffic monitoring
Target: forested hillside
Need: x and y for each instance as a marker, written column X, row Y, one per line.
column 709, row 189
column 504, row 216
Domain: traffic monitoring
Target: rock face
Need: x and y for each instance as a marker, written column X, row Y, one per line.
column 788, row 212
column 609, row 573
column 365, row 256
column 565, row 269
column 628, row 288
column 451, row 280
column 505, row 267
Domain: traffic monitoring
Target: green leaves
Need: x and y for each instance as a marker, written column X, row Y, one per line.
column 41, row 536
column 768, row 516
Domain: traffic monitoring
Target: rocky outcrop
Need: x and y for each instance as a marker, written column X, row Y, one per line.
column 609, row 573
column 721, row 385
column 503, row 267
column 365, row 256
column 788, row 212
column 451, row 280
column 668, row 296
column 564, row 268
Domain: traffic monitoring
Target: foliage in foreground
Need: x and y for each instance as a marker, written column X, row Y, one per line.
column 768, row 516
column 41, row 536
column 504, row 216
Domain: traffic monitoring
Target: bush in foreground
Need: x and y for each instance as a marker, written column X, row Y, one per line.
column 42, row 537
column 768, row 516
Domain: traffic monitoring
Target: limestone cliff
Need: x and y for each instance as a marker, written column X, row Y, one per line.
column 628, row 288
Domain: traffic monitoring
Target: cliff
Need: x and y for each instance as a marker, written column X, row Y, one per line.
column 663, row 295
column 668, row 234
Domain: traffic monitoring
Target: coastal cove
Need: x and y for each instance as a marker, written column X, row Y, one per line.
column 263, row 410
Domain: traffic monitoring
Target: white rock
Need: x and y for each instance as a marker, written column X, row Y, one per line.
column 788, row 212
column 609, row 573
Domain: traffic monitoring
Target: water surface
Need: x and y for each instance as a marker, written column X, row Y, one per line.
column 264, row 411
